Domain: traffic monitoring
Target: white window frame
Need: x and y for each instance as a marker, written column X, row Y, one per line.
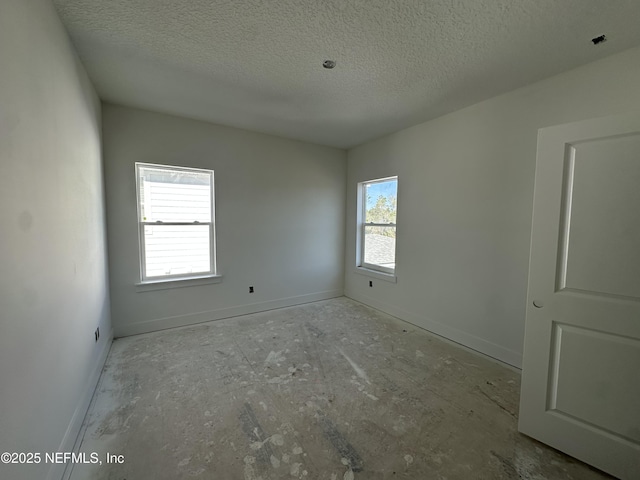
column 362, row 266
column 182, row 277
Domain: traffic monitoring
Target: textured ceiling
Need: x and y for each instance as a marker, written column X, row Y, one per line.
column 257, row 64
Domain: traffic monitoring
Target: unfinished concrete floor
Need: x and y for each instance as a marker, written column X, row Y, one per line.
column 330, row 390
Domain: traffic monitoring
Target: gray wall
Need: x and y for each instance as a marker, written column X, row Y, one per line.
column 279, row 215
column 53, row 269
column 465, row 204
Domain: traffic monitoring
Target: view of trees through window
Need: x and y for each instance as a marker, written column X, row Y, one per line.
column 379, row 229
column 382, row 209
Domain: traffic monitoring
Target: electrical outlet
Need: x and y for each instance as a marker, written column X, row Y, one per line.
column 250, row 289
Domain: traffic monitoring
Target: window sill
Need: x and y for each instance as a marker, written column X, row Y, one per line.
column 169, row 283
column 387, row 277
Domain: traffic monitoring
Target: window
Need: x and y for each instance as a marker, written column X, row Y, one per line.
column 176, row 222
column 377, row 224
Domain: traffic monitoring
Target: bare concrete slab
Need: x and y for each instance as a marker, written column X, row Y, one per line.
column 330, row 390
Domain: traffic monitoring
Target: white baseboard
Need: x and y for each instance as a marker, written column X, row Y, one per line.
column 71, row 436
column 201, row 317
column 478, row 344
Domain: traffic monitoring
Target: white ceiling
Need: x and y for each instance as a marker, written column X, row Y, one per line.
column 257, row 64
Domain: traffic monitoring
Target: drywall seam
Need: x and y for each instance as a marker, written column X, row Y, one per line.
column 72, row 435
column 201, row 317
column 467, row 340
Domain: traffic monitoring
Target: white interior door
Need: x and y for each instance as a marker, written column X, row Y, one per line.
column 581, row 370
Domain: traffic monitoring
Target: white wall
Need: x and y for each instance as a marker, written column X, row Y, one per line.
column 53, row 269
column 465, row 204
column 279, row 214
